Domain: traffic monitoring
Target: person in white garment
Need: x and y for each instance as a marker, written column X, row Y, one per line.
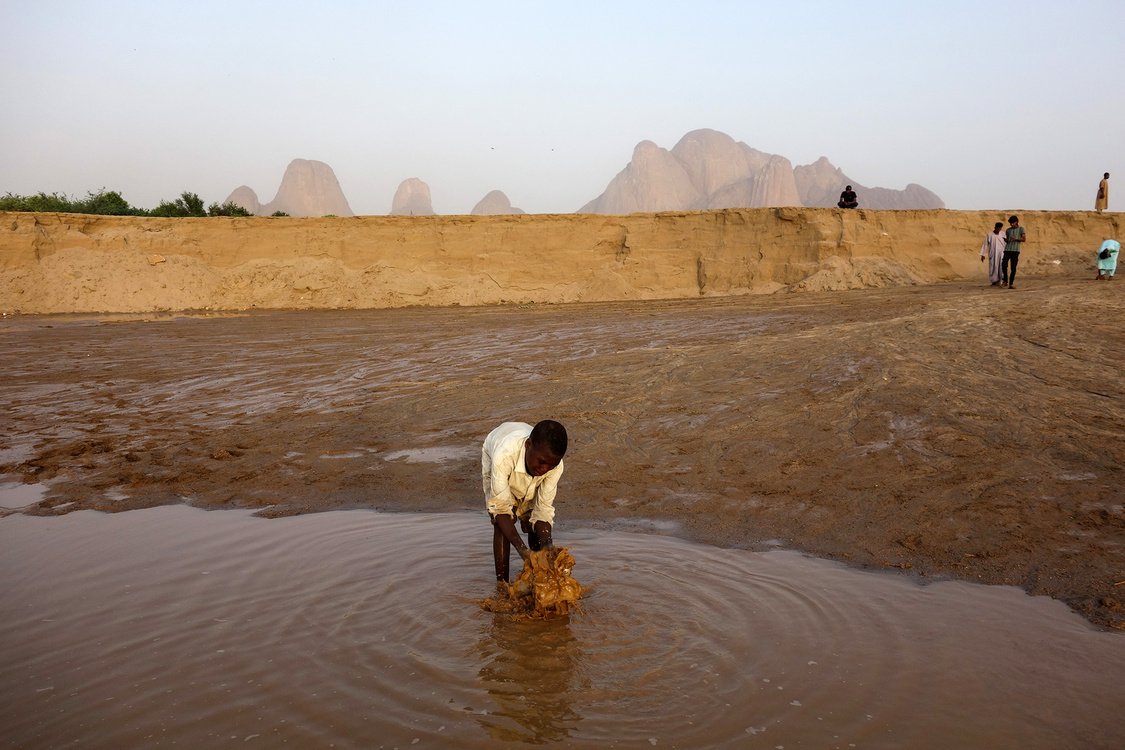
column 992, row 251
column 1107, row 259
column 520, row 470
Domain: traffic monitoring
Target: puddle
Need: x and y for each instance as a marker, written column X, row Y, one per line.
column 349, row 454
column 16, row 453
column 19, row 495
column 359, row 629
column 435, row 455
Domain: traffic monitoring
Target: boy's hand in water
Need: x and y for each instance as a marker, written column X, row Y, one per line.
column 543, row 531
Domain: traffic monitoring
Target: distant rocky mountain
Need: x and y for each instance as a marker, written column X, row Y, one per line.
column 730, row 174
column 653, row 181
column 819, row 185
column 495, row 203
column 309, row 188
column 708, row 169
column 412, row 199
column 247, row 198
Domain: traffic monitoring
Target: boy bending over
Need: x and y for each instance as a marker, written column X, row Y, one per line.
column 520, row 470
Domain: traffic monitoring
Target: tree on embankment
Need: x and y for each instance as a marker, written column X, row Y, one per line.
column 111, row 203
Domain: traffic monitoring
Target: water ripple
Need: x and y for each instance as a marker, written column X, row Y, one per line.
column 359, row 629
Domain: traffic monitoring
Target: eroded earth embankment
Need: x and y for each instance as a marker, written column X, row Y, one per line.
column 61, row 263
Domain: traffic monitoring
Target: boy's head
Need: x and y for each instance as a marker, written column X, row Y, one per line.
column 998, row 227
column 1013, row 220
column 545, row 447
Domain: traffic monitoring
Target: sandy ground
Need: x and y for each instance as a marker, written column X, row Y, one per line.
column 953, row 430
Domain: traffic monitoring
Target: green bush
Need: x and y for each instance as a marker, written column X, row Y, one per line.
column 230, row 208
column 188, row 204
column 41, row 202
column 111, row 203
column 108, row 203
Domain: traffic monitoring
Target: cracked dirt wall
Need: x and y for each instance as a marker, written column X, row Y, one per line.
column 63, row 263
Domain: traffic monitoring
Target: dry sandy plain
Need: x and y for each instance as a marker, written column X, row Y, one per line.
column 927, row 422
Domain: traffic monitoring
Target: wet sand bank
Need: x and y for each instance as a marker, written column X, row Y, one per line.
column 950, row 430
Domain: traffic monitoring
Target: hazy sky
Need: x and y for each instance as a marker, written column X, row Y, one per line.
column 1000, row 105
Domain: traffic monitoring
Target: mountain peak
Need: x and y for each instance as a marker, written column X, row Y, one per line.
column 496, row 202
column 412, row 199
column 709, row 169
column 308, row 188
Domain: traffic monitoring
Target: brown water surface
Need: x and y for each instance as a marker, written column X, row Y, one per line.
column 176, row 626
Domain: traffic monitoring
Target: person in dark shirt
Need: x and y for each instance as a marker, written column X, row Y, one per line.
column 848, row 198
column 1013, row 242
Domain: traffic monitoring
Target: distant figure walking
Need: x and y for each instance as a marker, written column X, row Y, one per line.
column 992, row 250
column 848, row 198
column 1107, row 259
column 1101, row 203
column 1013, row 240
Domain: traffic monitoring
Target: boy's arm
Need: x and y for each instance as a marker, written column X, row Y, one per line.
column 507, row 526
column 543, row 514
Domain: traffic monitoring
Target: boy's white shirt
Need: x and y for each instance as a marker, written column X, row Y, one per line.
column 508, row 488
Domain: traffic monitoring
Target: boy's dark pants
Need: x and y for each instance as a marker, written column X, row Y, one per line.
column 1012, row 257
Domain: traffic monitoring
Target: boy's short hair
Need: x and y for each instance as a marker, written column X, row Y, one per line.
column 998, row 225
column 1013, row 219
column 550, row 435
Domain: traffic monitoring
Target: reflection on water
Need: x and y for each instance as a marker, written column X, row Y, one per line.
column 360, row 629
column 528, row 669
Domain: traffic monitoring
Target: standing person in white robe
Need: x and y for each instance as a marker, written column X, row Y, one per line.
column 992, row 250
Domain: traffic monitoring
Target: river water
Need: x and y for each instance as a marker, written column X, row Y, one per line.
column 177, row 626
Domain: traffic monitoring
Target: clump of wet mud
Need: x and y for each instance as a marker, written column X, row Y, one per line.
column 544, row 589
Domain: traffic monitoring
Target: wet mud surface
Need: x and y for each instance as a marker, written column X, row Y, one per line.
column 948, row 431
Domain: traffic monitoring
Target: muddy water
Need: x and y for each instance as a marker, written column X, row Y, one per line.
column 176, row 626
